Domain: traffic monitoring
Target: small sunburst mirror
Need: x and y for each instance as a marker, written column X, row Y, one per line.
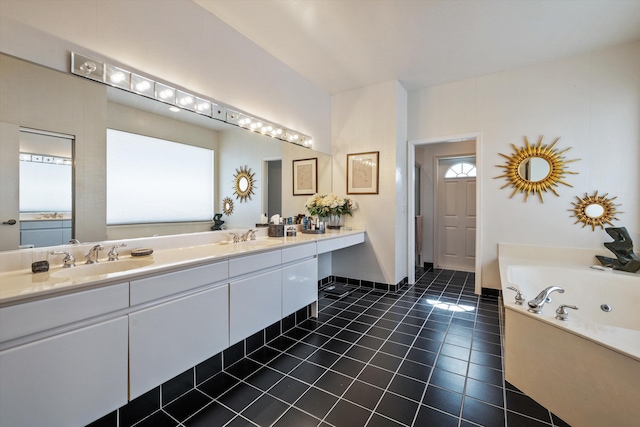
column 243, row 183
column 227, row 206
column 595, row 210
column 536, row 168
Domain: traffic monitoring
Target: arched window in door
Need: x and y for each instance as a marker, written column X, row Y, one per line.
column 461, row 170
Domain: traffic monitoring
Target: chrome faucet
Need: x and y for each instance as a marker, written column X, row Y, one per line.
column 536, row 304
column 249, row 235
column 113, row 253
column 68, row 261
column 92, row 256
column 235, row 236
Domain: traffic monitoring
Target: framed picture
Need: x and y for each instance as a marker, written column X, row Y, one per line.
column 305, row 177
column 362, row 173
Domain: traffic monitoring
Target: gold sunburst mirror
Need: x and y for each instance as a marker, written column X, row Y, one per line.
column 243, row 183
column 227, row 206
column 536, row 168
column 595, row 210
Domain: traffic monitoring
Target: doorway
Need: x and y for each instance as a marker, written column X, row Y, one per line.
column 411, row 228
column 455, row 214
column 274, row 187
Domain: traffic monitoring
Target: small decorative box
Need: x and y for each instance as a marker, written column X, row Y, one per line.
column 276, row 230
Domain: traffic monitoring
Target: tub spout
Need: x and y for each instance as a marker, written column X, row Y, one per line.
column 536, row 304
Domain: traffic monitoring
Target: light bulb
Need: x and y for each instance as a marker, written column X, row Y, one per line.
column 142, row 86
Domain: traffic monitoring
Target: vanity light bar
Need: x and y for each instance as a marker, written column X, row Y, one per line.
column 43, row 158
column 112, row 75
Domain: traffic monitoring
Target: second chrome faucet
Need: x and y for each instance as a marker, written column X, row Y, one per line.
column 536, row 304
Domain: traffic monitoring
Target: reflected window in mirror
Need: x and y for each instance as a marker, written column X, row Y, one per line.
column 151, row 180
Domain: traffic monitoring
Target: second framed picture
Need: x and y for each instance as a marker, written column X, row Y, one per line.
column 362, row 173
column 305, row 177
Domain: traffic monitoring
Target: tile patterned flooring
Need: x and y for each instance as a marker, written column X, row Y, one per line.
column 429, row 355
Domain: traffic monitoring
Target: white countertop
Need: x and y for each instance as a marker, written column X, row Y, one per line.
column 21, row 285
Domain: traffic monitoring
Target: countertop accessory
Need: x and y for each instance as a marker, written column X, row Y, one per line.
column 316, row 231
column 141, row 252
column 40, row 266
column 276, row 230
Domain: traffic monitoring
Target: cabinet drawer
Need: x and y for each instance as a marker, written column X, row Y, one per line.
column 151, row 288
column 330, row 245
column 37, row 225
column 298, row 252
column 36, row 316
column 248, row 264
column 353, row 239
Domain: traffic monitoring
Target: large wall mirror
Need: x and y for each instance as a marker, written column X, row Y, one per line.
column 66, row 104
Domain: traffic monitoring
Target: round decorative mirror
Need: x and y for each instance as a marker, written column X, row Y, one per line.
column 535, row 168
column 243, row 183
column 594, row 210
column 227, row 206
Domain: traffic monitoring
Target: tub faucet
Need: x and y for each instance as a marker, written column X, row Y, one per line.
column 536, row 304
column 92, row 256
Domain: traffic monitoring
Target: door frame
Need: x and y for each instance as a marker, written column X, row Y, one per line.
column 436, row 199
column 411, row 158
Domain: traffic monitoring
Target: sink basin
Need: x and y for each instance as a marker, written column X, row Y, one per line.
column 105, row 267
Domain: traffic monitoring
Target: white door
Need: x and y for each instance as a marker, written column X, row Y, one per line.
column 9, row 173
column 456, row 214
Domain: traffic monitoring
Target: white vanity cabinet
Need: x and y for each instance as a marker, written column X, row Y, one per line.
column 64, row 360
column 299, row 279
column 69, row 379
column 254, row 303
column 171, row 337
column 45, row 233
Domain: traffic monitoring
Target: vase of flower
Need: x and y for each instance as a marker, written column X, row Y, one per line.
column 330, row 208
column 334, row 221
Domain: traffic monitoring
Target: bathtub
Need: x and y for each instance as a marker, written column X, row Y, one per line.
column 586, row 369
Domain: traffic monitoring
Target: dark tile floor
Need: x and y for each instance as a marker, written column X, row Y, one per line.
column 429, row 355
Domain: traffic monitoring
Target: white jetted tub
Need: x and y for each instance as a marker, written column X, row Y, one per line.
column 585, row 369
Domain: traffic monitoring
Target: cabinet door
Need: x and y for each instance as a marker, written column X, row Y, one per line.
column 299, row 286
column 255, row 303
column 170, row 338
column 69, row 379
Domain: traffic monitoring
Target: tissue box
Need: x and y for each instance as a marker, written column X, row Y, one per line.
column 276, row 230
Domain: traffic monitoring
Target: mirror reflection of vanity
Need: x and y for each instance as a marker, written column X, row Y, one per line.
column 39, row 98
column 46, row 188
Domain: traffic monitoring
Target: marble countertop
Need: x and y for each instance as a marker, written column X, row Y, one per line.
column 21, row 285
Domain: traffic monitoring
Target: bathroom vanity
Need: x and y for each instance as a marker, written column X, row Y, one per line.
column 75, row 345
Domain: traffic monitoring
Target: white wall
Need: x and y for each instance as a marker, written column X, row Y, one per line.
column 373, row 119
column 592, row 101
column 174, row 40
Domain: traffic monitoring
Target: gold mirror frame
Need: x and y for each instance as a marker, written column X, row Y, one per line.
column 608, row 214
column 244, row 173
column 557, row 165
column 227, row 206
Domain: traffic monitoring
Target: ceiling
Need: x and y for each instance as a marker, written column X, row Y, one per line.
column 346, row 44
